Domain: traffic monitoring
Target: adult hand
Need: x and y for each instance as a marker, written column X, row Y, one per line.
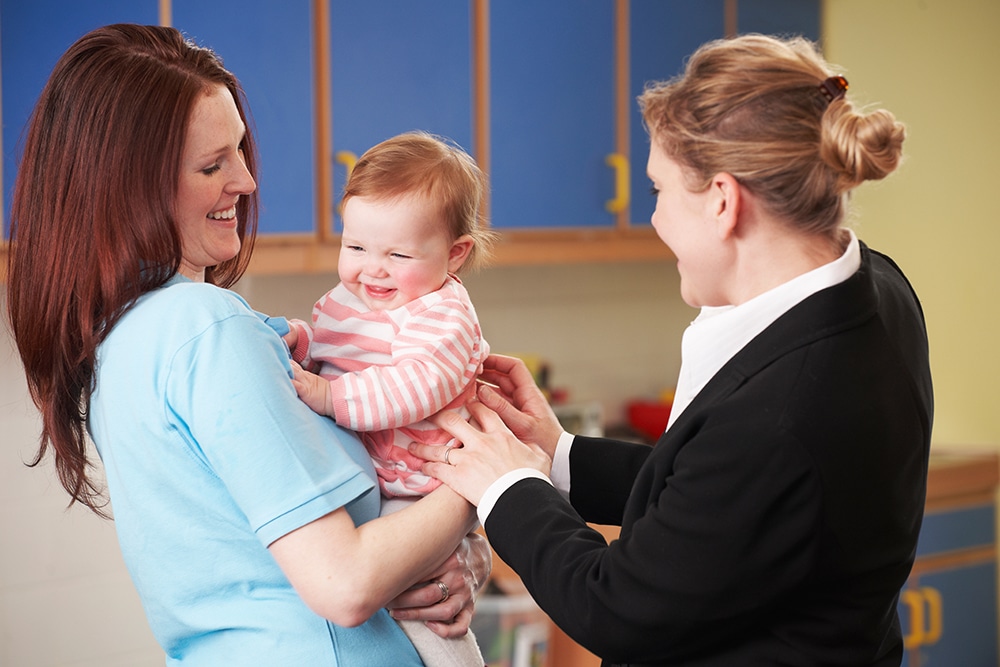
column 488, row 452
column 519, row 402
column 312, row 389
column 462, row 576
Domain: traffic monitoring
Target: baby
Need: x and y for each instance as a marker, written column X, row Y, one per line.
column 398, row 340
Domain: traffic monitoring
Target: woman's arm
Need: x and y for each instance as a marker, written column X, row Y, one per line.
column 465, row 573
column 294, row 474
column 346, row 573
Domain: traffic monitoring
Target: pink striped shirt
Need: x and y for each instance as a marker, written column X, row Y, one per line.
column 391, row 370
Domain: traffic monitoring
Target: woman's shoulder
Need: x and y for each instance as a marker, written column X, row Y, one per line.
column 184, row 307
column 195, row 298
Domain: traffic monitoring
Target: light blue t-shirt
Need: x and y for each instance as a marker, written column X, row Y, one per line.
column 210, row 456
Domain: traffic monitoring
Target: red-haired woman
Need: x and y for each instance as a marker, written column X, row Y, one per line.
column 248, row 522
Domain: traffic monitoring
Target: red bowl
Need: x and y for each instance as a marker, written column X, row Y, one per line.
column 649, row 417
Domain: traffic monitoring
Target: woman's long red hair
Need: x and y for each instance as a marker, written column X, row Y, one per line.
column 92, row 223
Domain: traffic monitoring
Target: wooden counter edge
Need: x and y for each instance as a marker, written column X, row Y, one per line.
column 959, row 477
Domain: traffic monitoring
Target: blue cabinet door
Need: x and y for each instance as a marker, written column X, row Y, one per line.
column 949, row 613
column 32, row 37
column 551, row 113
column 950, row 617
column 396, row 67
column 779, row 17
column 663, row 33
column 268, row 46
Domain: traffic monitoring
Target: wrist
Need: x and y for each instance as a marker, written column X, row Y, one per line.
column 301, row 348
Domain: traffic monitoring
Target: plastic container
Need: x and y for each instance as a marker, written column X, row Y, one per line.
column 512, row 631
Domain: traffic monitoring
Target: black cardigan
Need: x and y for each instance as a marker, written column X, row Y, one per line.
column 776, row 521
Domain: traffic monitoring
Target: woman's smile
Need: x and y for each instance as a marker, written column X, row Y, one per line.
column 225, row 214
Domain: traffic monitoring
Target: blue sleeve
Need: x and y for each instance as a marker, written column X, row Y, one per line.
column 278, row 324
column 283, row 464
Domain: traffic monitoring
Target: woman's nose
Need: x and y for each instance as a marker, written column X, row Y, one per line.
column 241, row 181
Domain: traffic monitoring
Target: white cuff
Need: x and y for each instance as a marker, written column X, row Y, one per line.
column 497, row 488
column 560, row 463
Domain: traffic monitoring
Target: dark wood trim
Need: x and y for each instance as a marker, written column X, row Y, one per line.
column 951, row 560
column 623, row 101
column 323, row 109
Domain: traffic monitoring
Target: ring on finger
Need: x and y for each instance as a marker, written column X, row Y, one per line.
column 447, row 453
column 445, row 593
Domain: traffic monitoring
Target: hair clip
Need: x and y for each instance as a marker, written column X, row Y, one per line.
column 833, row 88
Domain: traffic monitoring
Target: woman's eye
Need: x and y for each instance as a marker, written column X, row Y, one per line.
column 653, row 190
column 211, row 170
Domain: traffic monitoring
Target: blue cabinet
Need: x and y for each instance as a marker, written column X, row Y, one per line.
column 543, row 93
column 779, row 17
column 948, row 608
column 557, row 110
column 32, row 37
column 552, row 104
column 265, row 43
column 267, row 46
column 662, row 35
column 395, row 67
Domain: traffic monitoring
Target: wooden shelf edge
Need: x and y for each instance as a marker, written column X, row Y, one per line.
column 277, row 256
column 303, row 255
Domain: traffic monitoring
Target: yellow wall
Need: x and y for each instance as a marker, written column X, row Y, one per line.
column 936, row 65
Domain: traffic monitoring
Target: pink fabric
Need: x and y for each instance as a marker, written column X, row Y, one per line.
column 391, row 370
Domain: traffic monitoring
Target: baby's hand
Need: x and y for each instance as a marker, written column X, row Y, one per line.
column 312, row 389
column 291, row 338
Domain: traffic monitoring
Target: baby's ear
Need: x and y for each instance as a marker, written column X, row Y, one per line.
column 459, row 252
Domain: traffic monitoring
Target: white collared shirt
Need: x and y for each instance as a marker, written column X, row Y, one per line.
column 718, row 333
column 711, row 340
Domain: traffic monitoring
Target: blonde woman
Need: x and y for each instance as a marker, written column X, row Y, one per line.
column 776, row 519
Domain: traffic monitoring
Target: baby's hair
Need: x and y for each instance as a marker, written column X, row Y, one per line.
column 754, row 107
column 434, row 167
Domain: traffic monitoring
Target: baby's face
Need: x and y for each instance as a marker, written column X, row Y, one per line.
column 394, row 251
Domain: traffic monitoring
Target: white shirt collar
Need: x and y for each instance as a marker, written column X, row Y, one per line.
column 718, row 333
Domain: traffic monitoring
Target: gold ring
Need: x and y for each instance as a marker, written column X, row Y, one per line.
column 447, row 453
column 445, row 593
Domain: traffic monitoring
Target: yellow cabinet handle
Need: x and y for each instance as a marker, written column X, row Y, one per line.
column 618, row 162
column 925, row 628
column 933, row 598
column 348, row 159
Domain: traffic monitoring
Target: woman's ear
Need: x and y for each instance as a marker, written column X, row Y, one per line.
column 726, row 202
column 459, row 252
